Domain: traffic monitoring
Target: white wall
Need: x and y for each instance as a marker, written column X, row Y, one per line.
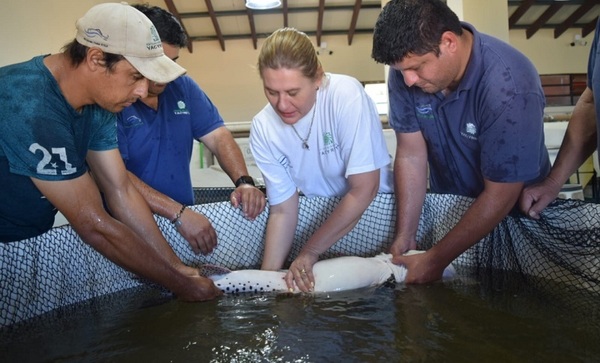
column 489, row 16
column 552, row 56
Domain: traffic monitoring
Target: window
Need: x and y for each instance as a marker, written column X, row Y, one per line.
column 378, row 93
column 563, row 89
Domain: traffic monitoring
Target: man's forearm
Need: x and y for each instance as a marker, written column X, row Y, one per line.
column 158, row 202
column 131, row 209
column 410, row 186
column 486, row 212
column 579, row 141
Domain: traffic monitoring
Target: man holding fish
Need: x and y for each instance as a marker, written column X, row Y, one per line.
column 57, row 123
column 468, row 108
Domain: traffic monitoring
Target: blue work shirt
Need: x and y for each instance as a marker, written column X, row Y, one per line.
column 156, row 145
column 594, row 76
column 490, row 127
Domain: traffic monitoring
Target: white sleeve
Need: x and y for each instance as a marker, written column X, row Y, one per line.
column 359, row 127
column 278, row 183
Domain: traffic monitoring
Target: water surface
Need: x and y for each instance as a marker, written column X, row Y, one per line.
column 488, row 318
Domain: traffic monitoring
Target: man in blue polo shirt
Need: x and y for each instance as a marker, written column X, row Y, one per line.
column 156, row 135
column 468, row 105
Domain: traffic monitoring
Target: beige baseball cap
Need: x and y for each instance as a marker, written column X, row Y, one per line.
column 119, row 28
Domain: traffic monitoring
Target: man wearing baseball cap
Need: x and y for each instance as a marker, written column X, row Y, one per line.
column 57, row 124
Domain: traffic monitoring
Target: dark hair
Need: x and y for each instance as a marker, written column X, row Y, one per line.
column 168, row 27
column 77, row 53
column 411, row 26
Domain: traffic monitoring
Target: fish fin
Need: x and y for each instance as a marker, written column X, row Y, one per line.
column 412, row 252
column 383, row 256
column 211, row 270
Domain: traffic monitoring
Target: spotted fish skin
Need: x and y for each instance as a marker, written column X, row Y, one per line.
column 250, row 281
column 335, row 274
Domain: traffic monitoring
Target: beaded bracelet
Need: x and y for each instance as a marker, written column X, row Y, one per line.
column 177, row 221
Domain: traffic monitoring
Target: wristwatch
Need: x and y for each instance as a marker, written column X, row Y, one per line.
column 244, row 179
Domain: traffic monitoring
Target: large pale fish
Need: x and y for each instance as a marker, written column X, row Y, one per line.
column 336, row 274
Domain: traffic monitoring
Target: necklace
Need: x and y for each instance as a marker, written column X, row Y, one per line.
column 305, row 141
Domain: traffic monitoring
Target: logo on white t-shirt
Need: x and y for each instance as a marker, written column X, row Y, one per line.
column 285, row 162
column 329, row 144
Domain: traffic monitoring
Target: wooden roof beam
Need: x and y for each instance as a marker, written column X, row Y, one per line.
column 352, row 28
column 589, row 27
column 173, row 10
column 577, row 14
column 250, row 13
column 320, row 21
column 521, row 10
column 285, row 13
column 213, row 18
column 550, row 11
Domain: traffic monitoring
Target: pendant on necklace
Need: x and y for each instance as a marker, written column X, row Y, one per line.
column 305, row 141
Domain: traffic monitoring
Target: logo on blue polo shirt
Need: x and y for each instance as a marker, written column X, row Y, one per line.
column 181, row 110
column 132, row 121
column 424, row 111
column 470, row 131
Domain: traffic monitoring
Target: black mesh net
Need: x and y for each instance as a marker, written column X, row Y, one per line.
column 561, row 250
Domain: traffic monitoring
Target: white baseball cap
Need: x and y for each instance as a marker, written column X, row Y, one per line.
column 119, row 28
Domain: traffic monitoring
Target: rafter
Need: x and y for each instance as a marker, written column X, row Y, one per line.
column 245, row 36
column 173, row 10
column 352, row 28
column 252, row 27
column 285, row 13
column 589, row 27
column 320, row 21
column 577, row 14
column 213, row 18
column 521, row 10
column 552, row 9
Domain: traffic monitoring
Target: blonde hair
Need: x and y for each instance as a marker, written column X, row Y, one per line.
column 291, row 49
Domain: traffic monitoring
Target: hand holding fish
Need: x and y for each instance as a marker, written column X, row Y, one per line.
column 421, row 267
column 401, row 245
column 196, row 287
column 300, row 275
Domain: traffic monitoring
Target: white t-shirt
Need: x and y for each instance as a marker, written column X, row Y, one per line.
column 346, row 139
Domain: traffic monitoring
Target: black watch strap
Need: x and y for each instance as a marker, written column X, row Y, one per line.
column 244, row 179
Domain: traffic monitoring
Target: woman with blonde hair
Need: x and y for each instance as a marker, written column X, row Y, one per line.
column 320, row 135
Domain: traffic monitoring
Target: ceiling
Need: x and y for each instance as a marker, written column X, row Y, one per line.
column 223, row 20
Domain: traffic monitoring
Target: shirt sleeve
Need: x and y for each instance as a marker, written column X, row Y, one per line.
column 279, row 184
column 104, row 130
column 205, row 115
column 363, row 146
column 401, row 115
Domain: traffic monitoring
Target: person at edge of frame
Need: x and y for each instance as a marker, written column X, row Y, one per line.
column 57, row 123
